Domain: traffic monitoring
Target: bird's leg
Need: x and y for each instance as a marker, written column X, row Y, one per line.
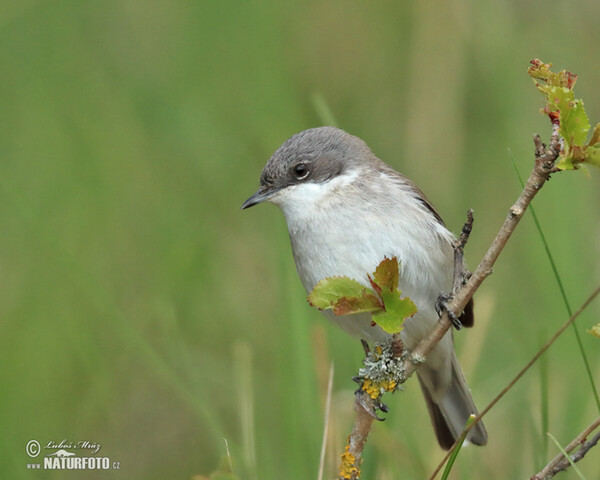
column 365, row 346
column 461, row 275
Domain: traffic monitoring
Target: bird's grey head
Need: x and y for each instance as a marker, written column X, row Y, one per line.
column 313, row 156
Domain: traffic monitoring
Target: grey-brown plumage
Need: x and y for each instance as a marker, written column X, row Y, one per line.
column 346, row 210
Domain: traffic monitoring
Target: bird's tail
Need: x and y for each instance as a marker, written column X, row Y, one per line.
column 450, row 412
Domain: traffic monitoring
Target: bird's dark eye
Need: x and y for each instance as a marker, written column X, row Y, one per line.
column 300, row 171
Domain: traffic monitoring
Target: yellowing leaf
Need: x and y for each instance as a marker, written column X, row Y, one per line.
column 330, row 289
column 387, row 274
column 344, row 296
column 541, row 71
column 367, row 302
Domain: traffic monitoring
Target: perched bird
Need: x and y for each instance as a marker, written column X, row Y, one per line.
column 346, row 210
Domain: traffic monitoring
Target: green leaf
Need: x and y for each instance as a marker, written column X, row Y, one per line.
column 574, row 123
column 565, row 163
column 397, row 309
column 559, row 98
column 344, row 296
column 385, row 281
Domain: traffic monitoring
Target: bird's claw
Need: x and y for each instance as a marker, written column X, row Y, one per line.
column 441, row 305
column 370, row 405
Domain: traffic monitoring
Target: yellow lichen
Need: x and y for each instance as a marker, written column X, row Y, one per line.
column 372, row 389
column 348, row 468
column 388, row 385
column 376, row 389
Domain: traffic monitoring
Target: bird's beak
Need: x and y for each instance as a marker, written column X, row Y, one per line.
column 262, row 194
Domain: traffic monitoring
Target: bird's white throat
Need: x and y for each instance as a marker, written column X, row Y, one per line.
column 302, row 202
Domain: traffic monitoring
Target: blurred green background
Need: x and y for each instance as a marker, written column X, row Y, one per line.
column 142, row 310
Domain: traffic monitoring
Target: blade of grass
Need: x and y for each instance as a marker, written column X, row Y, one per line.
column 456, row 450
column 544, row 397
column 228, row 455
column 243, row 366
column 326, row 423
column 567, row 456
column 562, row 290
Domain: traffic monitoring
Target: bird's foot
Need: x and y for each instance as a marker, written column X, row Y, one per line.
column 441, row 305
column 370, row 404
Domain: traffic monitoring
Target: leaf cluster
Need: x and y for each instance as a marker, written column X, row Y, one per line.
column 568, row 112
column 345, row 296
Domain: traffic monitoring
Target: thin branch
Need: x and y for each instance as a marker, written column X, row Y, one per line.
column 579, row 454
column 560, row 462
column 364, row 406
column 558, row 333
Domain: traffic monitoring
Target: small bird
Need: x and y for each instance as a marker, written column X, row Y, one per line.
column 346, row 210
